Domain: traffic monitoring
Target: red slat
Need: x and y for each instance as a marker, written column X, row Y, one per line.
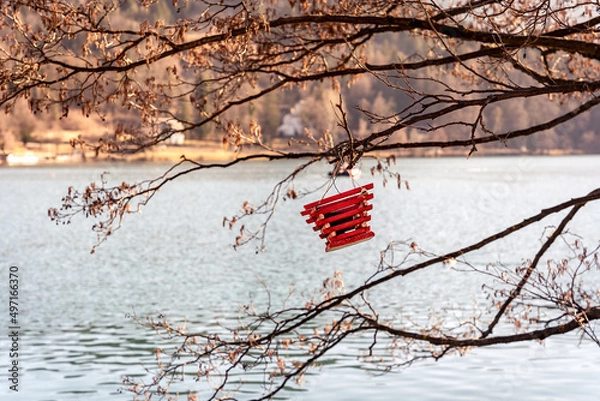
column 342, row 215
column 335, row 245
column 339, row 196
column 340, row 204
column 355, row 223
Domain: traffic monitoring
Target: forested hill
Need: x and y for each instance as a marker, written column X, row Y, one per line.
column 288, row 112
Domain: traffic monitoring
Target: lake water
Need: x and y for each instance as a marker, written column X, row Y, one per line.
column 176, row 258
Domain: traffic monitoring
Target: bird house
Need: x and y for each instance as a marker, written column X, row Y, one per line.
column 342, row 219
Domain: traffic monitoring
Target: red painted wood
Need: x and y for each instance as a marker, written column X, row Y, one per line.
column 352, row 202
column 339, row 196
column 342, row 219
column 345, row 226
column 335, row 245
column 333, row 218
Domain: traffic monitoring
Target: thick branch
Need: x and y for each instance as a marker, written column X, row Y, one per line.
column 366, row 143
column 576, row 322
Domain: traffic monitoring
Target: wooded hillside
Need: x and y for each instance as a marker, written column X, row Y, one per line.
column 371, row 100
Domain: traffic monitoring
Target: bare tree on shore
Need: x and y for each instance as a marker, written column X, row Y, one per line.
column 465, row 76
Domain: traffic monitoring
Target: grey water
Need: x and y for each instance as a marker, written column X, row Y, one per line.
column 175, row 258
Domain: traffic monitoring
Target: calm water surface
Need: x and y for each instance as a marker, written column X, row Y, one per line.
column 176, row 258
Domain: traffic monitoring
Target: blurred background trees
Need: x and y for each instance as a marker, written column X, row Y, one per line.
column 117, row 61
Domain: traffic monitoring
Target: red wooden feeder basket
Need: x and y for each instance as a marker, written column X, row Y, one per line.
column 342, row 219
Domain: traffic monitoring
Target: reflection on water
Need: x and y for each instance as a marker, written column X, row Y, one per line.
column 176, row 259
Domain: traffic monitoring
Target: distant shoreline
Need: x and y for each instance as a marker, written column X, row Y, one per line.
column 42, row 154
